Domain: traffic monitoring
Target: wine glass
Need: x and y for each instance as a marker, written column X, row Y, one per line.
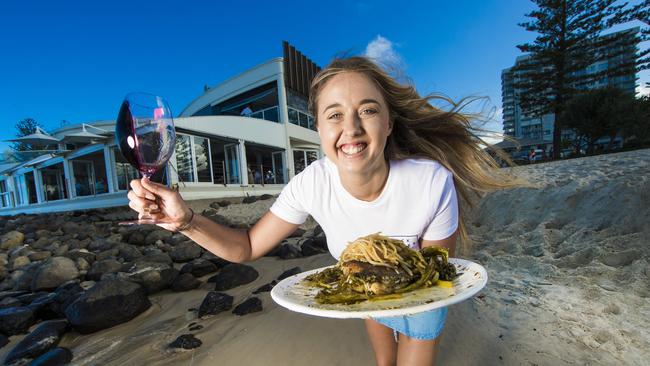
column 145, row 135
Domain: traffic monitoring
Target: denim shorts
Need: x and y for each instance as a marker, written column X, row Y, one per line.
column 423, row 326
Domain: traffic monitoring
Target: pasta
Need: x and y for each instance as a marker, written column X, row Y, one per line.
column 375, row 267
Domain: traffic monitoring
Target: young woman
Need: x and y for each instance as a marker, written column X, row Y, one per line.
column 394, row 164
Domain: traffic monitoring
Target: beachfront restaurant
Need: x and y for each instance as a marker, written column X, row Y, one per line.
column 246, row 136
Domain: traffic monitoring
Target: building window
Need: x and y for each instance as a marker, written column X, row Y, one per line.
column 54, row 187
column 5, row 196
column 202, row 159
column 301, row 119
column 26, row 189
column 302, row 158
column 265, row 164
column 184, row 166
column 89, row 174
column 124, row 171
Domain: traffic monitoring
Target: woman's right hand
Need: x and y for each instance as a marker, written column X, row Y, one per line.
column 158, row 202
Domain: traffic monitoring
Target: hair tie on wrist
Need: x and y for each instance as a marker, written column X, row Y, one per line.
column 187, row 224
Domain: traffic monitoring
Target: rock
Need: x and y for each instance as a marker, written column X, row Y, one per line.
column 53, row 305
column 129, row 253
column 185, row 282
column 266, row 288
column 214, row 303
column 158, row 257
column 100, row 245
column 75, row 254
column 186, row 341
column 107, row 254
column 41, row 243
column 219, row 262
column 125, row 299
column 99, row 268
column 185, row 251
column 39, row 341
column 289, row 273
column 156, row 235
column 310, row 247
column 265, row 197
column 152, row 276
column 39, row 256
column 137, row 238
column 10, row 302
column 82, row 265
column 3, row 340
column 252, row 305
column 25, row 277
column 54, row 273
column 55, row 357
column 195, row 328
column 71, row 228
column 249, row 199
column 16, row 320
column 20, row 262
column 285, row 251
column 297, row 233
column 233, row 275
column 11, row 239
column 199, row 267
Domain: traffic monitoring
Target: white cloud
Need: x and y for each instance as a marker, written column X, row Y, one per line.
column 382, row 51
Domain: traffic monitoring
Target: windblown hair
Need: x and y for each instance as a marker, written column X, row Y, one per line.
column 421, row 130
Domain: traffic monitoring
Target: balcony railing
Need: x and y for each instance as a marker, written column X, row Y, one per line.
column 301, row 119
column 264, row 174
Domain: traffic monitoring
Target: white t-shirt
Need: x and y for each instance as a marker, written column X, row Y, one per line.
column 418, row 202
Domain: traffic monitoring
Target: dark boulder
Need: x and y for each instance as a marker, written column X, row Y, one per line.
column 152, row 276
column 55, row 357
column 252, row 305
column 311, row 247
column 10, row 302
column 233, row 275
column 100, row 245
column 16, row 320
column 156, row 235
column 3, row 340
column 186, row 341
column 265, row 288
column 250, row 199
column 75, row 254
column 285, row 251
column 199, row 267
column 99, row 268
column 289, row 273
column 265, row 197
column 158, row 257
column 185, row 282
column 128, row 252
column 40, row 340
column 90, row 312
column 214, row 303
column 185, row 251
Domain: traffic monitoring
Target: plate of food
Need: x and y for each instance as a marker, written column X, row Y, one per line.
column 377, row 276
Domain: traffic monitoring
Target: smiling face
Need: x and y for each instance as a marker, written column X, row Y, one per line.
column 353, row 123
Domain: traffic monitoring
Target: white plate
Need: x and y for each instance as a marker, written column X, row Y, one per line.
column 295, row 295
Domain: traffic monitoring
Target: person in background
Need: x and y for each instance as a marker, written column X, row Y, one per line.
column 247, row 111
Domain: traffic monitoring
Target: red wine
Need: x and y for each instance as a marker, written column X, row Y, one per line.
column 146, row 143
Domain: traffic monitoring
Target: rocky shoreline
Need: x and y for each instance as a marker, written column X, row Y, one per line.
column 82, row 272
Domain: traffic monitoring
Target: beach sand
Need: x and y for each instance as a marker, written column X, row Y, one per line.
column 568, row 263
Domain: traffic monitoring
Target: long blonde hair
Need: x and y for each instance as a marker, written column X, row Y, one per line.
column 424, row 131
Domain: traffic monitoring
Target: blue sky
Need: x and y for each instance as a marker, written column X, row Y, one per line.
column 75, row 60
